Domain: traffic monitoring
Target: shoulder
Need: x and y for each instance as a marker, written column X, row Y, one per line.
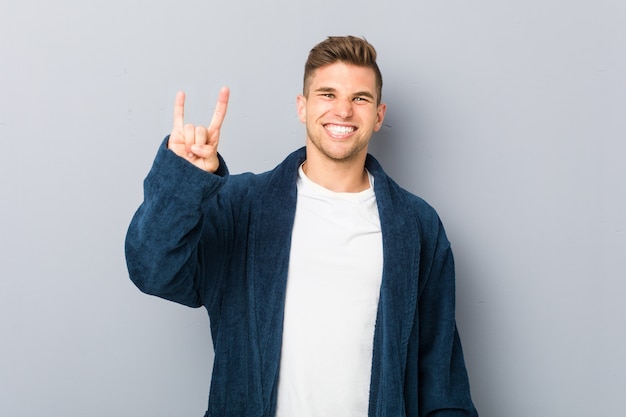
column 393, row 194
column 279, row 179
column 403, row 204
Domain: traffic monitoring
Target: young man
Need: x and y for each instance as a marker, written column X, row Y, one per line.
column 330, row 289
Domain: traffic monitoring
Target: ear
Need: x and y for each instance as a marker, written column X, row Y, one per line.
column 380, row 116
column 301, row 105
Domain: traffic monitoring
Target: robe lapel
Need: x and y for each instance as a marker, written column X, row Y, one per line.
column 398, row 295
column 275, row 213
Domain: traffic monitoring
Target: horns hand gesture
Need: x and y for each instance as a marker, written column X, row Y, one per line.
column 198, row 144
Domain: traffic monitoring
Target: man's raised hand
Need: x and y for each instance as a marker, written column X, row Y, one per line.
column 198, row 144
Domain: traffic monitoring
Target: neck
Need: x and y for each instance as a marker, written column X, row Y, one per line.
column 338, row 176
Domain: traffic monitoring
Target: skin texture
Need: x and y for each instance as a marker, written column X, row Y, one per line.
column 339, row 110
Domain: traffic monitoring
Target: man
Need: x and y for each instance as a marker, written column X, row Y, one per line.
column 330, row 289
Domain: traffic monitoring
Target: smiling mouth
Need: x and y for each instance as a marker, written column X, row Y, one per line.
column 339, row 131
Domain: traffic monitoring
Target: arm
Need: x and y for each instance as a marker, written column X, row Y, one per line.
column 164, row 250
column 443, row 385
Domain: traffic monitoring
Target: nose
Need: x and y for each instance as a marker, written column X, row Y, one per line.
column 343, row 108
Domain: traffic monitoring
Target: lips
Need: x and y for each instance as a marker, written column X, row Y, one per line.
column 339, row 130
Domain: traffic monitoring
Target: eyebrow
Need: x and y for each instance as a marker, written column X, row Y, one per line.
column 325, row 90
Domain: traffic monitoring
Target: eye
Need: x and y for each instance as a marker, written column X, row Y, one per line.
column 361, row 99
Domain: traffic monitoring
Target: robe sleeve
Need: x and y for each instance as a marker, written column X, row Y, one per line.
column 443, row 386
column 164, row 250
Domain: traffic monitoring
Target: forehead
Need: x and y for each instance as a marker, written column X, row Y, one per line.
column 343, row 77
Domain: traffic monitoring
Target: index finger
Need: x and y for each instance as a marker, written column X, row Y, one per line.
column 220, row 109
column 179, row 110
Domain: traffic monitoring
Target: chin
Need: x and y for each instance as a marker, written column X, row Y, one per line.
column 343, row 155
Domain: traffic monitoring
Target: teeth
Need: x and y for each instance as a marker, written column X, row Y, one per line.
column 340, row 130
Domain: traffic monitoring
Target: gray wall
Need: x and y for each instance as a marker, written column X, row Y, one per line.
column 508, row 117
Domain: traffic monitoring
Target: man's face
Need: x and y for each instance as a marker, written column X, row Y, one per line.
column 340, row 111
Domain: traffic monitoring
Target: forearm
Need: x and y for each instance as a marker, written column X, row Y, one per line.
column 163, row 240
column 443, row 385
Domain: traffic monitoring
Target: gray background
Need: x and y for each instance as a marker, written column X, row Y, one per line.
column 508, row 117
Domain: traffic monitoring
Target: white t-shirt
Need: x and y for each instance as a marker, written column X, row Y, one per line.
column 333, row 286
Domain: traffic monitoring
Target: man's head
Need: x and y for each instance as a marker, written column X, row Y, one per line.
column 341, row 103
column 347, row 49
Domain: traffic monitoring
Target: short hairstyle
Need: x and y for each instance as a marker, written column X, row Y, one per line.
column 347, row 49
